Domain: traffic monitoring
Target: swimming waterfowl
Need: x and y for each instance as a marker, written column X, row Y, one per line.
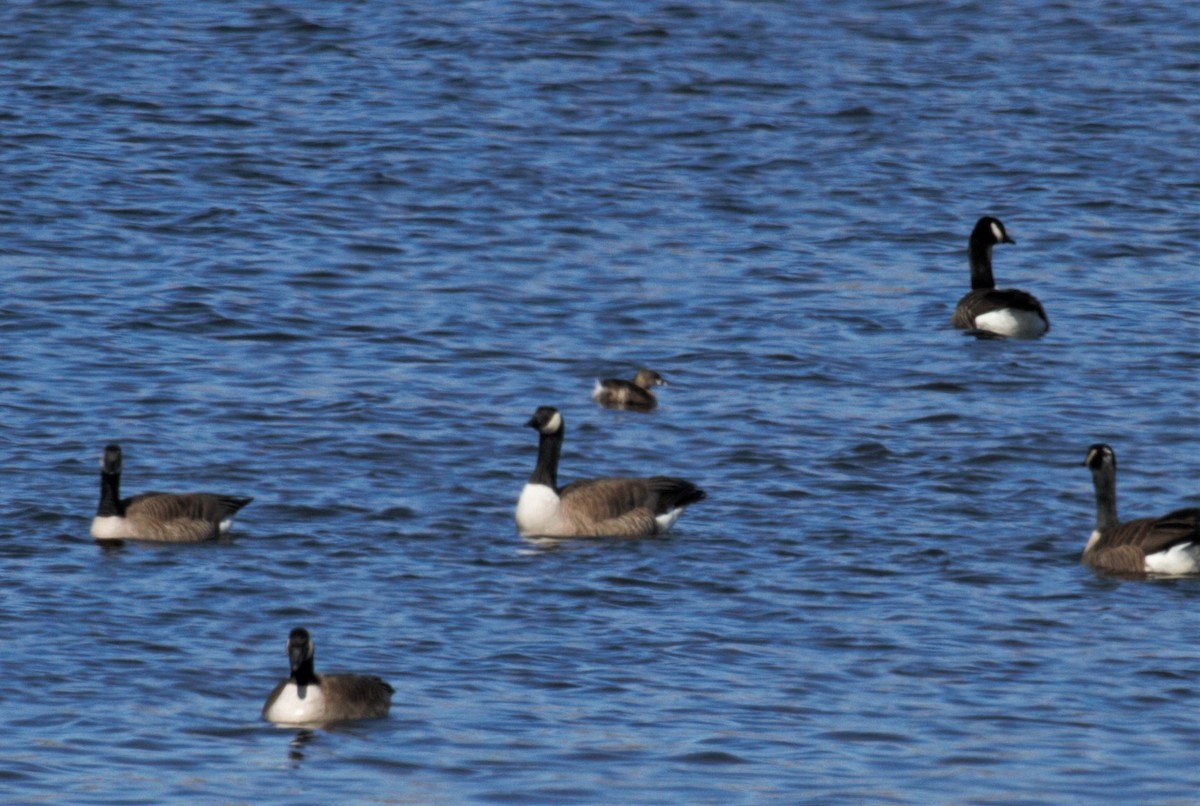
column 307, row 697
column 613, row 507
column 1166, row 545
column 615, row 393
column 990, row 310
column 174, row 517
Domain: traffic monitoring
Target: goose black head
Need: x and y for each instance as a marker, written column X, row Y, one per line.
column 299, row 647
column 990, row 231
column 1100, row 456
column 546, row 420
column 110, row 464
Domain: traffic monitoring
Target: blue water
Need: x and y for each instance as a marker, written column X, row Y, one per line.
column 334, row 255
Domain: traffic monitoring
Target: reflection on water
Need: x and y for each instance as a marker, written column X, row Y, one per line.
column 298, row 742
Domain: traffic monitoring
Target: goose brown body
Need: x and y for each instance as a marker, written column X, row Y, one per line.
column 307, row 697
column 168, row 517
column 179, row 517
column 976, row 304
column 1165, row 545
column 612, row 507
column 995, row 311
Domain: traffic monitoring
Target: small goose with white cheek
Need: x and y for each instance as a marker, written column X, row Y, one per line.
column 1169, row 545
column 171, row 517
column 992, row 311
column 607, row 507
column 308, row 698
column 616, row 393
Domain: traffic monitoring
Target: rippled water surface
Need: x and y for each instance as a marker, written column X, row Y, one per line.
column 333, row 255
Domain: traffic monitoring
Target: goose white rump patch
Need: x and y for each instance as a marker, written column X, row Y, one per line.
column 297, row 705
column 1175, row 561
column 1011, row 322
column 667, row 519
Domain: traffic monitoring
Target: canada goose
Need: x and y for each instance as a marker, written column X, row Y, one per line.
column 999, row 311
column 1166, row 545
column 308, row 697
column 615, row 393
column 615, row 507
column 158, row 516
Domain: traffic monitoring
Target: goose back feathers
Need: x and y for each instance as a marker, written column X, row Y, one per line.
column 307, row 697
column 172, row 517
column 1166, row 545
column 991, row 310
column 609, row 507
column 615, row 393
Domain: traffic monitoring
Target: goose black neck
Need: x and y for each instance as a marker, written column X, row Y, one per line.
column 110, row 495
column 979, row 252
column 303, row 674
column 549, row 449
column 1105, row 480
